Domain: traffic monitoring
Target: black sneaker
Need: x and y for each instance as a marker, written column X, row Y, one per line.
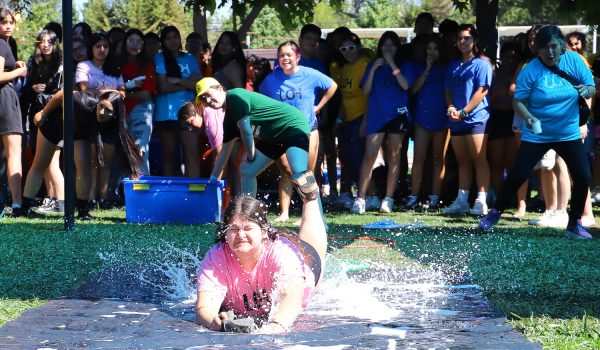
column 411, row 203
column 19, row 213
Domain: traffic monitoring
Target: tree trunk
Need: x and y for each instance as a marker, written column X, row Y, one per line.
column 199, row 19
column 486, row 12
column 249, row 19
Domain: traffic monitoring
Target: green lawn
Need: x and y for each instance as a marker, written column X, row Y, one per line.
column 547, row 285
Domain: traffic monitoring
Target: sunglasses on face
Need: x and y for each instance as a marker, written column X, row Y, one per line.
column 350, row 48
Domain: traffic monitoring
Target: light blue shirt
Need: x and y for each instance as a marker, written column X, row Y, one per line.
column 552, row 99
column 299, row 89
column 168, row 104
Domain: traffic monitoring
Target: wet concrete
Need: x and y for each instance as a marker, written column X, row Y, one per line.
column 377, row 308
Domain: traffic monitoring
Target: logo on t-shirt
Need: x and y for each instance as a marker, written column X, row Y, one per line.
column 260, row 300
column 289, row 95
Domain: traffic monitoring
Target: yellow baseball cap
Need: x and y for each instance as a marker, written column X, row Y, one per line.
column 204, row 85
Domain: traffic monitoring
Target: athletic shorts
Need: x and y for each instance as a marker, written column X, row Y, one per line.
column 275, row 149
column 398, row 125
column 473, row 129
column 315, row 265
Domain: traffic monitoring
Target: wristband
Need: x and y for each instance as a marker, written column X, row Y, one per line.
column 396, row 72
column 463, row 114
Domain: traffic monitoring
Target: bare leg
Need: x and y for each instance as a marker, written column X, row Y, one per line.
column 477, row 145
column 440, row 147
column 422, row 138
column 564, row 183
column 371, row 150
column 14, row 171
column 249, row 171
column 284, row 189
column 312, row 230
column 104, row 171
column 82, row 166
column 190, row 141
column 41, row 162
column 394, row 145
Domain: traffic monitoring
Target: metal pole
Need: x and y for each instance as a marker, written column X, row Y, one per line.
column 69, row 121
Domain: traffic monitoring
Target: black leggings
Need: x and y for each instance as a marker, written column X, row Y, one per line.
column 574, row 155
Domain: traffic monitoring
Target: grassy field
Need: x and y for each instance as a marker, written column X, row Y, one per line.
column 547, row 285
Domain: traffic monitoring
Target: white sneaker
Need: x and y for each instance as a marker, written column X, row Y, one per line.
column 373, row 203
column 359, row 206
column 542, row 218
column 548, row 160
column 479, row 208
column 558, row 219
column 345, row 200
column 387, row 205
column 52, row 207
column 456, row 207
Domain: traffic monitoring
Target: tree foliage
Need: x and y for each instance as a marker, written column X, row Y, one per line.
column 31, row 22
column 147, row 15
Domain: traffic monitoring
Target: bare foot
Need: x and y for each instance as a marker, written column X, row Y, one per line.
column 297, row 222
column 588, row 221
column 282, row 218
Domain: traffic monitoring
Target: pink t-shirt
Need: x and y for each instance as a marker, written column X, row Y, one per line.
column 213, row 123
column 95, row 77
column 250, row 293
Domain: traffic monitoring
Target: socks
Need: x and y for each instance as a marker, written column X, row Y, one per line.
column 482, row 197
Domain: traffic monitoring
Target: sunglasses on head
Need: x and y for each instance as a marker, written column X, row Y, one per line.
column 350, row 48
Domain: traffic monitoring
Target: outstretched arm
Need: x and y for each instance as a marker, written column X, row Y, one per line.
column 207, row 311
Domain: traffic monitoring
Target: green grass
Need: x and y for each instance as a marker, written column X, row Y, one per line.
column 548, row 286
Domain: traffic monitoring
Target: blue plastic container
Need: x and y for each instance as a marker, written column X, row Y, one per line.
column 155, row 199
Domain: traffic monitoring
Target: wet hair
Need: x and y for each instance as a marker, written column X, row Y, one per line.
column 475, row 35
column 389, row 35
column 171, row 65
column 253, row 210
column 546, row 34
column 218, row 61
column 41, row 69
column 56, row 28
column 132, row 161
column 184, row 113
column 109, row 67
column 86, row 30
column 290, row 43
column 580, row 36
column 310, row 28
column 141, row 58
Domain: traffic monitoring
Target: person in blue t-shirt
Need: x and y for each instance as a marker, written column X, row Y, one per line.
column 467, row 83
column 308, row 42
column 177, row 74
column 429, row 120
column 385, row 83
column 548, row 103
column 300, row 87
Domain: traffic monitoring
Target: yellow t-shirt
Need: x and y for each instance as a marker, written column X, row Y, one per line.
column 355, row 102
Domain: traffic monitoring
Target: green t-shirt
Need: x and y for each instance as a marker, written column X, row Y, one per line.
column 271, row 120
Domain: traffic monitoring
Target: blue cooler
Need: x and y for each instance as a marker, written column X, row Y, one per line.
column 182, row 200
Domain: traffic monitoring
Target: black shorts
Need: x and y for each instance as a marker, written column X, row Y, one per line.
column 52, row 127
column 276, row 149
column 500, row 124
column 398, row 125
column 315, row 265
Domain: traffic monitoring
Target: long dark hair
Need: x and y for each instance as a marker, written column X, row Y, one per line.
column 435, row 38
column 42, row 69
column 171, row 65
column 475, row 35
column 218, row 61
column 86, row 29
column 132, row 162
column 253, row 210
column 389, row 35
column 141, row 59
column 109, row 67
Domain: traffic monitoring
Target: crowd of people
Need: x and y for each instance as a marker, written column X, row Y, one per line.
column 351, row 111
column 325, row 103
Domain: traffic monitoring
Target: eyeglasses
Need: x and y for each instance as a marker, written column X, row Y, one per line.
column 350, row 48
